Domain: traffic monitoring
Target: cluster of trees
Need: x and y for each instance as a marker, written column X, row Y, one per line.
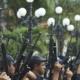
column 14, row 33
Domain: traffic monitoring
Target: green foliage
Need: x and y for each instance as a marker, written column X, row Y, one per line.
column 14, row 39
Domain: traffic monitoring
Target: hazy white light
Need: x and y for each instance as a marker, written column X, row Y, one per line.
column 35, row 53
column 77, row 18
column 59, row 10
column 22, row 11
column 18, row 15
column 37, row 14
column 66, row 21
column 70, row 27
column 30, row 1
column 51, row 21
column 40, row 12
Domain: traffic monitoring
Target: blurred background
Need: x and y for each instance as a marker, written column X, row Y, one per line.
column 12, row 31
